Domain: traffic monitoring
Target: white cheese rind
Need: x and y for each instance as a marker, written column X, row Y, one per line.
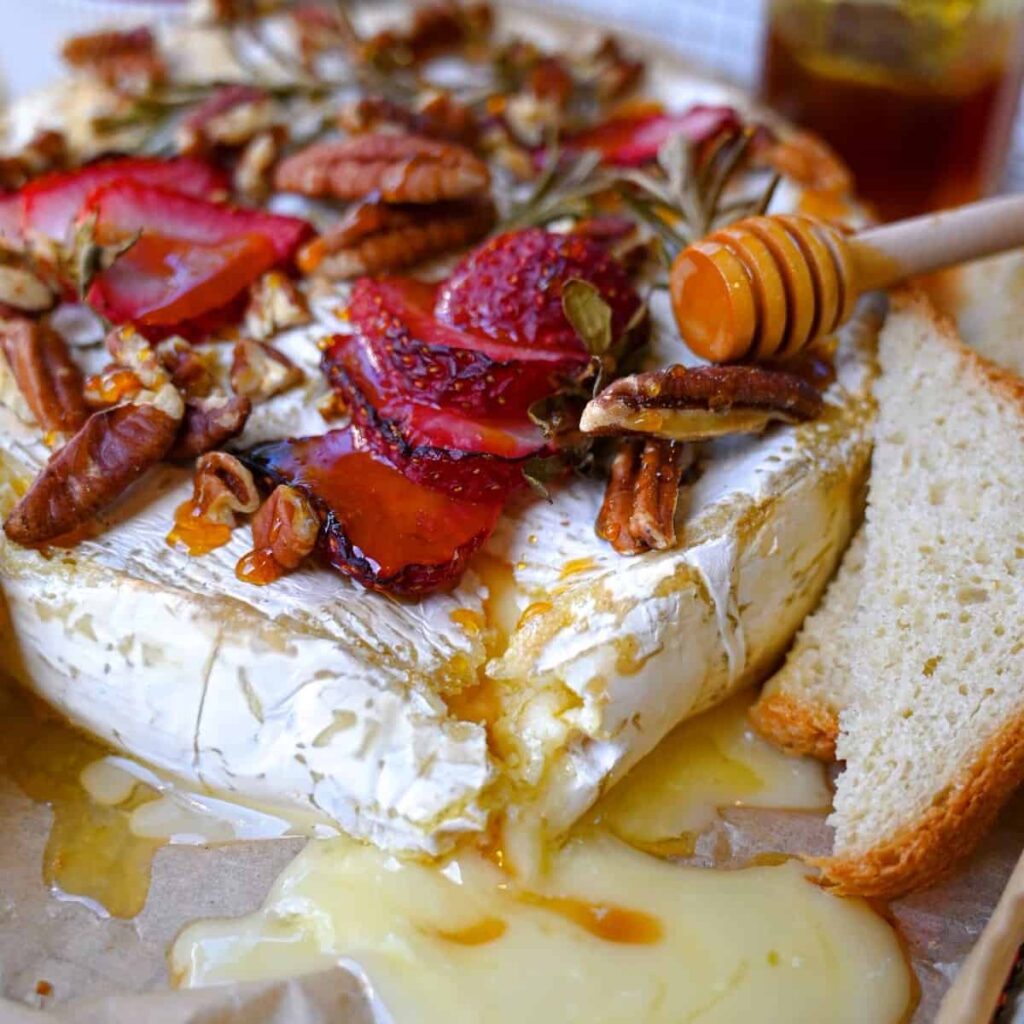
column 317, row 694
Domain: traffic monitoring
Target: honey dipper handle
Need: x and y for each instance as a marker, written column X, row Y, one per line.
column 884, row 255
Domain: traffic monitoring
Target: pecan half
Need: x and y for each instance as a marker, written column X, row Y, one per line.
column 275, row 303
column 209, row 423
column 46, row 375
column 697, row 403
column 112, row 450
column 435, row 29
column 286, row 526
column 223, row 489
column 124, row 60
column 639, row 508
column 259, row 371
column 397, row 168
column 377, row 237
column 436, row 116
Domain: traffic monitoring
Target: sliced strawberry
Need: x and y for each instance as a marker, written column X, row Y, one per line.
column 410, row 354
column 511, row 289
column 632, row 140
column 192, row 258
column 51, row 203
column 124, row 208
column 429, row 451
column 383, row 529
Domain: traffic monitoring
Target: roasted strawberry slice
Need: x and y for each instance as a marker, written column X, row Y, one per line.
column 634, row 139
column 511, row 289
column 428, row 452
column 410, row 354
column 192, row 257
column 380, row 527
column 51, row 203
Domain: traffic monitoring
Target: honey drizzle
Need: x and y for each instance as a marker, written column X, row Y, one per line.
column 604, row 921
column 259, row 567
column 196, row 534
column 91, row 851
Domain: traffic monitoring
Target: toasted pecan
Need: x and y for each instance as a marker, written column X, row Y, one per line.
column 259, row 371
column 696, row 403
column 286, row 526
column 617, row 507
column 189, row 371
column 639, row 508
column 46, row 375
column 126, row 60
column 435, row 28
column 223, row 489
column 112, row 450
column 438, row 116
column 275, row 303
column 377, row 237
column 397, row 168
column 209, row 423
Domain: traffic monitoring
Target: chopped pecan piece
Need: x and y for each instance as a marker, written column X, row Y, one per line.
column 286, row 527
column 377, row 237
column 232, row 116
column 112, row 450
column 254, row 172
column 47, row 151
column 209, row 423
column 436, row 116
column 697, row 403
column 614, row 74
column 47, row 377
column 128, row 60
column 435, row 29
column 189, row 371
column 397, row 168
column 639, row 508
column 223, row 489
column 259, row 371
column 275, row 303
column 131, row 350
column 111, row 387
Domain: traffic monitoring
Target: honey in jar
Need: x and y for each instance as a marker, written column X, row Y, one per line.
column 918, row 96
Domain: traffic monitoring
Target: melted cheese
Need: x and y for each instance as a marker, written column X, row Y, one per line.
column 602, row 933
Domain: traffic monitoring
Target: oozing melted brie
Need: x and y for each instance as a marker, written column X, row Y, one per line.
column 604, row 932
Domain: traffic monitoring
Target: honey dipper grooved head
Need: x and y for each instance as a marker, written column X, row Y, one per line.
column 761, row 288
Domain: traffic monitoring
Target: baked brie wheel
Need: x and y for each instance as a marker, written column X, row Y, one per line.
column 409, row 709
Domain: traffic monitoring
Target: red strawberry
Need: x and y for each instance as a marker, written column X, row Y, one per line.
column 474, row 460
column 632, row 140
column 51, row 203
column 511, row 289
column 193, row 256
column 410, row 354
column 386, row 531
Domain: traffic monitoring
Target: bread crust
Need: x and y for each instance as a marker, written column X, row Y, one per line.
column 802, row 727
column 926, row 851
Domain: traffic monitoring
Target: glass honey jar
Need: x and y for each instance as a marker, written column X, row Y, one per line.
column 918, row 96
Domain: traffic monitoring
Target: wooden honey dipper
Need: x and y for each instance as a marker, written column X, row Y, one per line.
column 765, row 287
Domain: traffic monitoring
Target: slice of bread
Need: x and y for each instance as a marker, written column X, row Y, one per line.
column 919, row 645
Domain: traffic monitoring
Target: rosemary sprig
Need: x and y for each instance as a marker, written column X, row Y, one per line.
column 688, row 198
column 566, row 187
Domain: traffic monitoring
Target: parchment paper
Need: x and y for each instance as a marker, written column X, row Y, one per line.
column 102, row 969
